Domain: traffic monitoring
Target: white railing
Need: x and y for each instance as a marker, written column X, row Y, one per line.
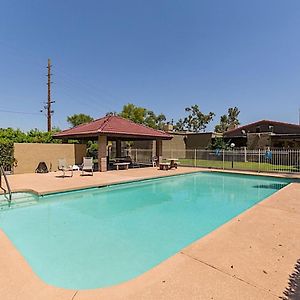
column 137, row 156
column 285, row 161
column 141, row 156
column 8, row 169
column 6, row 189
column 275, row 160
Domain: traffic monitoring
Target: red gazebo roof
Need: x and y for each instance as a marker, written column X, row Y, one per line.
column 113, row 127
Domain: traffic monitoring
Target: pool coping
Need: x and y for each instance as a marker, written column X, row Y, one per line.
column 45, row 194
column 291, row 176
column 165, row 265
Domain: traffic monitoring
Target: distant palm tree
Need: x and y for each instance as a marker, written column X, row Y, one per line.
column 223, row 126
column 233, row 114
column 228, row 121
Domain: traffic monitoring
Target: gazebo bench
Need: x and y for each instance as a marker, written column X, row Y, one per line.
column 122, row 164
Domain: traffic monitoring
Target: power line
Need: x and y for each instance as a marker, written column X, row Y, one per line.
column 87, row 84
column 18, row 112
column 95, row 95
column 89, row 93
column 15, row 51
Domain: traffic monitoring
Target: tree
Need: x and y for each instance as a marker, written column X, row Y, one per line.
column 9, row 136
column 154, row 121
column 37, row 136
column 143, row 116
column 229, row 120
column 223, row 126
column 78, row 119
column 134, row 113
column 219, row 143
column 179, row 126
column 7, row 153
column 32, row 136
column 233, row 114
column 196, row 121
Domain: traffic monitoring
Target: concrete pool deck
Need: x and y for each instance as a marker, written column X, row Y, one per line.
column 53, row 182
column 250, row 257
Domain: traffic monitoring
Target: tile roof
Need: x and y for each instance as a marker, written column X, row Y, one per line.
column 113, row 125
column 237, row 130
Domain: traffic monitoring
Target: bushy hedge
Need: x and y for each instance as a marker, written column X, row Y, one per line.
column 32, row 136
column 9, row 136
column 7, row 153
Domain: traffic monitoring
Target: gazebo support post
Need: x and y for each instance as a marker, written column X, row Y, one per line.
column 102, row 160
column 159, row 150
column 118, row 148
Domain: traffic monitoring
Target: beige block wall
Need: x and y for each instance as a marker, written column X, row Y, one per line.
column 142, row 145
column 80, row 152
column 28, row 155
column 174, row 147
column 181, row 145
column 198, row 141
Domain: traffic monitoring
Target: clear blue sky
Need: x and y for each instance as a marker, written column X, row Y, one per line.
column 160, row 54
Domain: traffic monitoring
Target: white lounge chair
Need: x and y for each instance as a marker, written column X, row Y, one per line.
column 62, row 166
column 88, row 165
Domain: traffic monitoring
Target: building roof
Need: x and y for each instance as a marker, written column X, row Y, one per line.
column 279, row 128
column 113, row 127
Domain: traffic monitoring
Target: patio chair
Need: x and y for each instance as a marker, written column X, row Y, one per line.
column 41, row 168
column 87, row 166
column 62, row 166
column 154, row 161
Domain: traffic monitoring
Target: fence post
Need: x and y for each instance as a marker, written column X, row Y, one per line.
column 289, row 159
column 245, row 153
column 258, row 160
column 223, row 159
column 195, row 158
column 297, row 160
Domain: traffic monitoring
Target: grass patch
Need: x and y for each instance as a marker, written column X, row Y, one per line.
column 251, row 166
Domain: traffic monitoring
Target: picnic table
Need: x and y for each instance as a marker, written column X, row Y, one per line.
column 173, row 162
column 164, row 166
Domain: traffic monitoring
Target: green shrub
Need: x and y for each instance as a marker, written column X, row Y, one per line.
column 219, row 143
column 32, row 136
column 7, row 153
column 92, row 149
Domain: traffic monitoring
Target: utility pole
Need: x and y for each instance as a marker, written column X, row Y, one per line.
column 49, row 102
column 49, row 96
column 47, row 108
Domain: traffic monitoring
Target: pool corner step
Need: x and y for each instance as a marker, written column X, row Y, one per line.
column 18, row 200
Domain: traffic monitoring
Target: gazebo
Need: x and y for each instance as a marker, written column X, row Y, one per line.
column 114, row 128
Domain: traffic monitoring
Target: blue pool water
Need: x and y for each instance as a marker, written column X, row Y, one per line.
column 103, row 236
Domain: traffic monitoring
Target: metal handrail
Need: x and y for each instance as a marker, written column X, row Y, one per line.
column 8, row 191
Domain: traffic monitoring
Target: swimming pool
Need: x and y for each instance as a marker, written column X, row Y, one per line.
column 104, row 236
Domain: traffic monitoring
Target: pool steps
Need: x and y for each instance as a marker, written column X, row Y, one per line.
column 17, row 200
